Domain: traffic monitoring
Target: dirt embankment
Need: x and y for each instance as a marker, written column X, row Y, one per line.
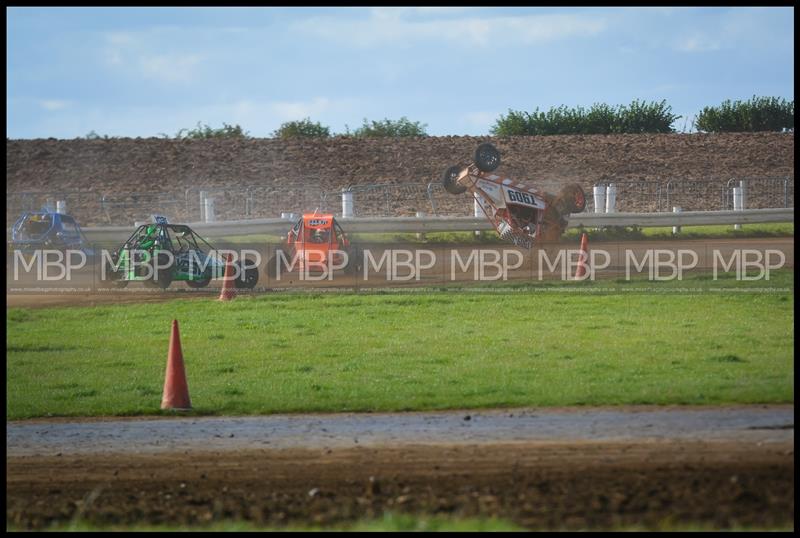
column 302, row 169
column 595, row 468
column 583, row 486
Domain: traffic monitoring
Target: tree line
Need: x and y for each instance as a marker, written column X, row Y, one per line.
column 754, row 115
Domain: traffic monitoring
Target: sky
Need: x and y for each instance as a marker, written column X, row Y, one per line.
column 144, row 72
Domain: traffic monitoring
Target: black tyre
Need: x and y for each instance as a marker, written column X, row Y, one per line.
column 487, row 158
column 199, row 283
column 571, row 199
column 248, row 278
column 449, row 180
column 161, row 277
column 118, row 282
column 353, row 266
column 112, row 277
column 272, row 264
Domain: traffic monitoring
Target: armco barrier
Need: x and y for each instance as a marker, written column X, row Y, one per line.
column 464, row 224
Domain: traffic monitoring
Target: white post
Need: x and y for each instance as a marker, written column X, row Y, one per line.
column 676, row 229
column 209, row 210
column 203, row 195
column 347, row 204
column 61, row 207
column 477, row 211
column 599, row 198
column 420, row 235
column 737, row 204
column 744, row 194
column 611, row 198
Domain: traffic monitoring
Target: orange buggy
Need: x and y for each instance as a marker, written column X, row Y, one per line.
column 315, row 241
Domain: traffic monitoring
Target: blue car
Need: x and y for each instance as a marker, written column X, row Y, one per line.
column 48, row 230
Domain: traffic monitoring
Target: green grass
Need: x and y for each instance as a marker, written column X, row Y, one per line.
column 326, row 352
column 388, row 523
column 571, row 235
column 778, row 229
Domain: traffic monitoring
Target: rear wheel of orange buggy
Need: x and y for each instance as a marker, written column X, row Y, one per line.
column 272, row 264
column 353, row 266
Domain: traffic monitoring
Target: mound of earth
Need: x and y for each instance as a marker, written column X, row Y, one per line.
column 113, row 181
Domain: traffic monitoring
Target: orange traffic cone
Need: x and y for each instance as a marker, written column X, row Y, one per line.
column 176, row 390
column 583, row 258
column 228, row 291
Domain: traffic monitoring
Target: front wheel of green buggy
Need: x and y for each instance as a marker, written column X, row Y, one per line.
column 160, row 272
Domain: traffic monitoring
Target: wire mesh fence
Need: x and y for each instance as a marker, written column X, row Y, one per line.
column 378, row 200
column 760, row 193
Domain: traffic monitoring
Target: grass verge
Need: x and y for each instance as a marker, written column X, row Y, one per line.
column 389, row 522
column 317, row 352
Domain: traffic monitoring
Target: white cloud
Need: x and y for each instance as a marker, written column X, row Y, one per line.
column 750, row 28
column 481, row 119
column 297, row 110
column 53, row 104
column 143, row 55
column 170, row 67
column 388, row 25
column 697, row 43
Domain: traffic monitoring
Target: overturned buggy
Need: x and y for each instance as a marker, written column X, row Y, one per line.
column 520, row 212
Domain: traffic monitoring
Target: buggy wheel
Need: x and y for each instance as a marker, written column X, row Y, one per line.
column 112, row 277
column 118, row 282
column 353, row 266
column 571, row 199
column 162, row 277
column 272, row 265
column 449, row 180
column 199, row 283
column 248, row 278
column 487, row 158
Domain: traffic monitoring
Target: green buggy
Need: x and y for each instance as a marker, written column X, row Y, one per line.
column 160, row 253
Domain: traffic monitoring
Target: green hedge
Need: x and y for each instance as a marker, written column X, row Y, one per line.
column 390, row 128
column 756, row 114
column 302, row 128
column 638, row 117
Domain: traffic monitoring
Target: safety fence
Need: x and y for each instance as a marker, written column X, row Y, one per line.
column 427, row 224
column 199, row 204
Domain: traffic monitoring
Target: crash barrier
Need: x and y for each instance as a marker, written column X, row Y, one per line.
column 383, row 200
column 427, row 224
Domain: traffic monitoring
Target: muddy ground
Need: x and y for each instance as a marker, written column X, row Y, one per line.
column 741, row 474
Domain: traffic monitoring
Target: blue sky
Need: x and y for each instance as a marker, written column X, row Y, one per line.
column 146, row 71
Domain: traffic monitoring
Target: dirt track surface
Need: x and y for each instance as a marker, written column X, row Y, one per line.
column 562, row 468
column 85, row 288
